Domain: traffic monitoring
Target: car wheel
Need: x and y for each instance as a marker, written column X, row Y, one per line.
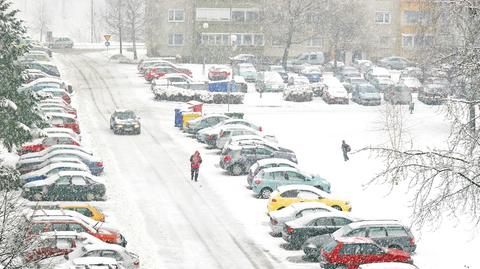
column 265, row 193
column 237, row 169
column 337, row 207
column 90, row 196
column 38, row 197
column 139, row 131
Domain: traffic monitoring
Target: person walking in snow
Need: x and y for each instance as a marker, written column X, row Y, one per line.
column 345, row 149
column 195, row 161
column 411, row 107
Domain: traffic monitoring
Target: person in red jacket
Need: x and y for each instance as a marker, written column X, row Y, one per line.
column 195, row 161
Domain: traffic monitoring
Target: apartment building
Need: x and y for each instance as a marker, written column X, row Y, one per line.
column 217, row 29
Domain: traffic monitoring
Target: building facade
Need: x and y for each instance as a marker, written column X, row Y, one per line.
column 214, row 30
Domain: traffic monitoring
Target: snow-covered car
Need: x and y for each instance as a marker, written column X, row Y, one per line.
column 269, row 81
column 433, row 94
column 195, row 125
column 377, row 72
column 124, row 257
column 398, row 94
column 334, row 92
column 331, row 65
column 49, row 82
column 297, row 231
column 90, row 263
column 243, row 58
column 267, row 163
column 348, row 72
column 52, row 149
column 280, row 70
column 246, row 70
column 305, row 59
column 209, row 135
column 63, row 120
column 34, row 56
column 58, row 130
column 23, row 169
column 280, row 217
column 179, row 80
column 387, row 265
column 66, row 186
column 415, row 72
column 218, row 73
column 395, row 62
column 52, row 169
column 43, row 143
column 61, row 43
column 244, row 140
column 94, row 164
column 366, row 94
column 49, row 109
column 46, row 67
column 412, row 83
column 363, row 65
column 382, row 83
column 229, row 131
column 55, row 93
column 313, row 73
column 351, row 82
column 295, row 80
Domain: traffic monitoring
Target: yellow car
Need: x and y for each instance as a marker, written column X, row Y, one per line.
column 86, row 210
column 289, row 194
column 82, row 208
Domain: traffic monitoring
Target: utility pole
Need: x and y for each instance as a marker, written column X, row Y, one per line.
column 120, row 25
column 91, row 22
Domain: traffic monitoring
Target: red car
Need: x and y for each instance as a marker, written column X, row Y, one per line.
column 51, row 247
column 64, row 120
column 53, row 139
column 158, row 72
column 218, row 73
column 351, row 252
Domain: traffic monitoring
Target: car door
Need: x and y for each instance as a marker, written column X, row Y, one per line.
column 379, row 235
column 371, row 253
column 297, row 178
column 319, row 226
column 307, row 196
column 248, row 157
column 77, row 228
column 339, row 222
column 262, row 153
column 78, row 188
column 59, row 189
column 348, row 255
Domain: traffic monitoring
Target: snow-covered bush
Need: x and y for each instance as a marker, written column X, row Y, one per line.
column 184, row 95
column 298, row 93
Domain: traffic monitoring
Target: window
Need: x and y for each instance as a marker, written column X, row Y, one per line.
column 407, row 41
column 382, row 17
column 414, row 17
column 350, row 249
column 215, row 39
column 83, row 211
column 324, row 222
column 289, row 194
column 247, row 40
column 370, row 249
column 258, row 40
column 175, row 39
column 76, row 227
column 249, row 151
column 245, row 15
column 59, row 227
column 306, row 195
column 78, row 181
column 176, row 15
column 38, row 228
column 341, row 221
column 313, row 18
column 63, row 181
column 314, row 42
column 262, row 151
column 357, row 233
column 295, row 176
column 310, row 211
column 111, row 254
column 396, row 232
column 213, row 14
column 377, row 232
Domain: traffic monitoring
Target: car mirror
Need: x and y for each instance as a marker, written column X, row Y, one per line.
column 66, row 257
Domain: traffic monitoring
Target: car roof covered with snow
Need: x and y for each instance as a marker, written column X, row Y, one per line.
column 52, row 179
column 280, row 169
column 326, row 214
column 387, row 265
column 284, row 188
column 363, row 223
column 94, row 261
column 104, row 246
column 355, row 240
column 62, row 115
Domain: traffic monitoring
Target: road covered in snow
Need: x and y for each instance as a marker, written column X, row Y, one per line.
column 172, row 222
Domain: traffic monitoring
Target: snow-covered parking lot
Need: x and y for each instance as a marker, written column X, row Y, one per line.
column 217, row 223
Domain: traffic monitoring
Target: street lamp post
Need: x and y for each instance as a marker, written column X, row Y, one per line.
column 233, row 39
column 205, row 27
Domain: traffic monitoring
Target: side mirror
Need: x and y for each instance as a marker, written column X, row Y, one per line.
column 66, row 257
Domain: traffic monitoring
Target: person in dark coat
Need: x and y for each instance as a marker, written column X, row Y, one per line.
column 195, row 161
column 411, row 107
column 345, row 149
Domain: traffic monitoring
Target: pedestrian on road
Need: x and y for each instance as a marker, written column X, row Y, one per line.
column 345, row 149
column 411, row 107
column 195, row 161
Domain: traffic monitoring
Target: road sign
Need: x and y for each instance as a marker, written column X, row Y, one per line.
column 107, row 44
column 107, row 37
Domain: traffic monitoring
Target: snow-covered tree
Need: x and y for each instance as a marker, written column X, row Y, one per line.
column 17, row 112
column 445, row 179
column 115, row 19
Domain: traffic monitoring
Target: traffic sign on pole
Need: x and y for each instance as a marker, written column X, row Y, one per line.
column 107, row 44
column 107, row 37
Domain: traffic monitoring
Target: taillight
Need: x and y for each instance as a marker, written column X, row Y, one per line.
column 136, row 263
column 221, row 134
column 412, row 241
column 210, row 137
column 258, row 181
column 274, row 200
column 289, row 230
column 99, row 164
column 260, row 128
column 227, row 158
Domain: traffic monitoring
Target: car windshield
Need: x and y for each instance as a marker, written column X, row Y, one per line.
column 125, row 115
column 341, row 232
column 368, row 89
column 328, row 247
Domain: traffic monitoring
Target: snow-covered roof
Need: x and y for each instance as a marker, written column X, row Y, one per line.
column 94, row 261
column 280, row 169
column 60, row 115
column 354, row 240
column 363, row 223
column 388, row 265
column 284, row 188
column 103, row 246
column 309, row 217
column 300, row 206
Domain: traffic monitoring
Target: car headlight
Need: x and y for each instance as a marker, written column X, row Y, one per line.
column 136, row 125
column 119, row 125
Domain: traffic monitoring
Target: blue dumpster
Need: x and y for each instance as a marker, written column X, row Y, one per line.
column 178, row 117
column 221, row 86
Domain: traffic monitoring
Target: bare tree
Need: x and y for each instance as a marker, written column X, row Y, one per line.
column 42, row 19
column 343, row 25
column 445, row 179
column 291, row 21
column 115, row 19
column 134, row 21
